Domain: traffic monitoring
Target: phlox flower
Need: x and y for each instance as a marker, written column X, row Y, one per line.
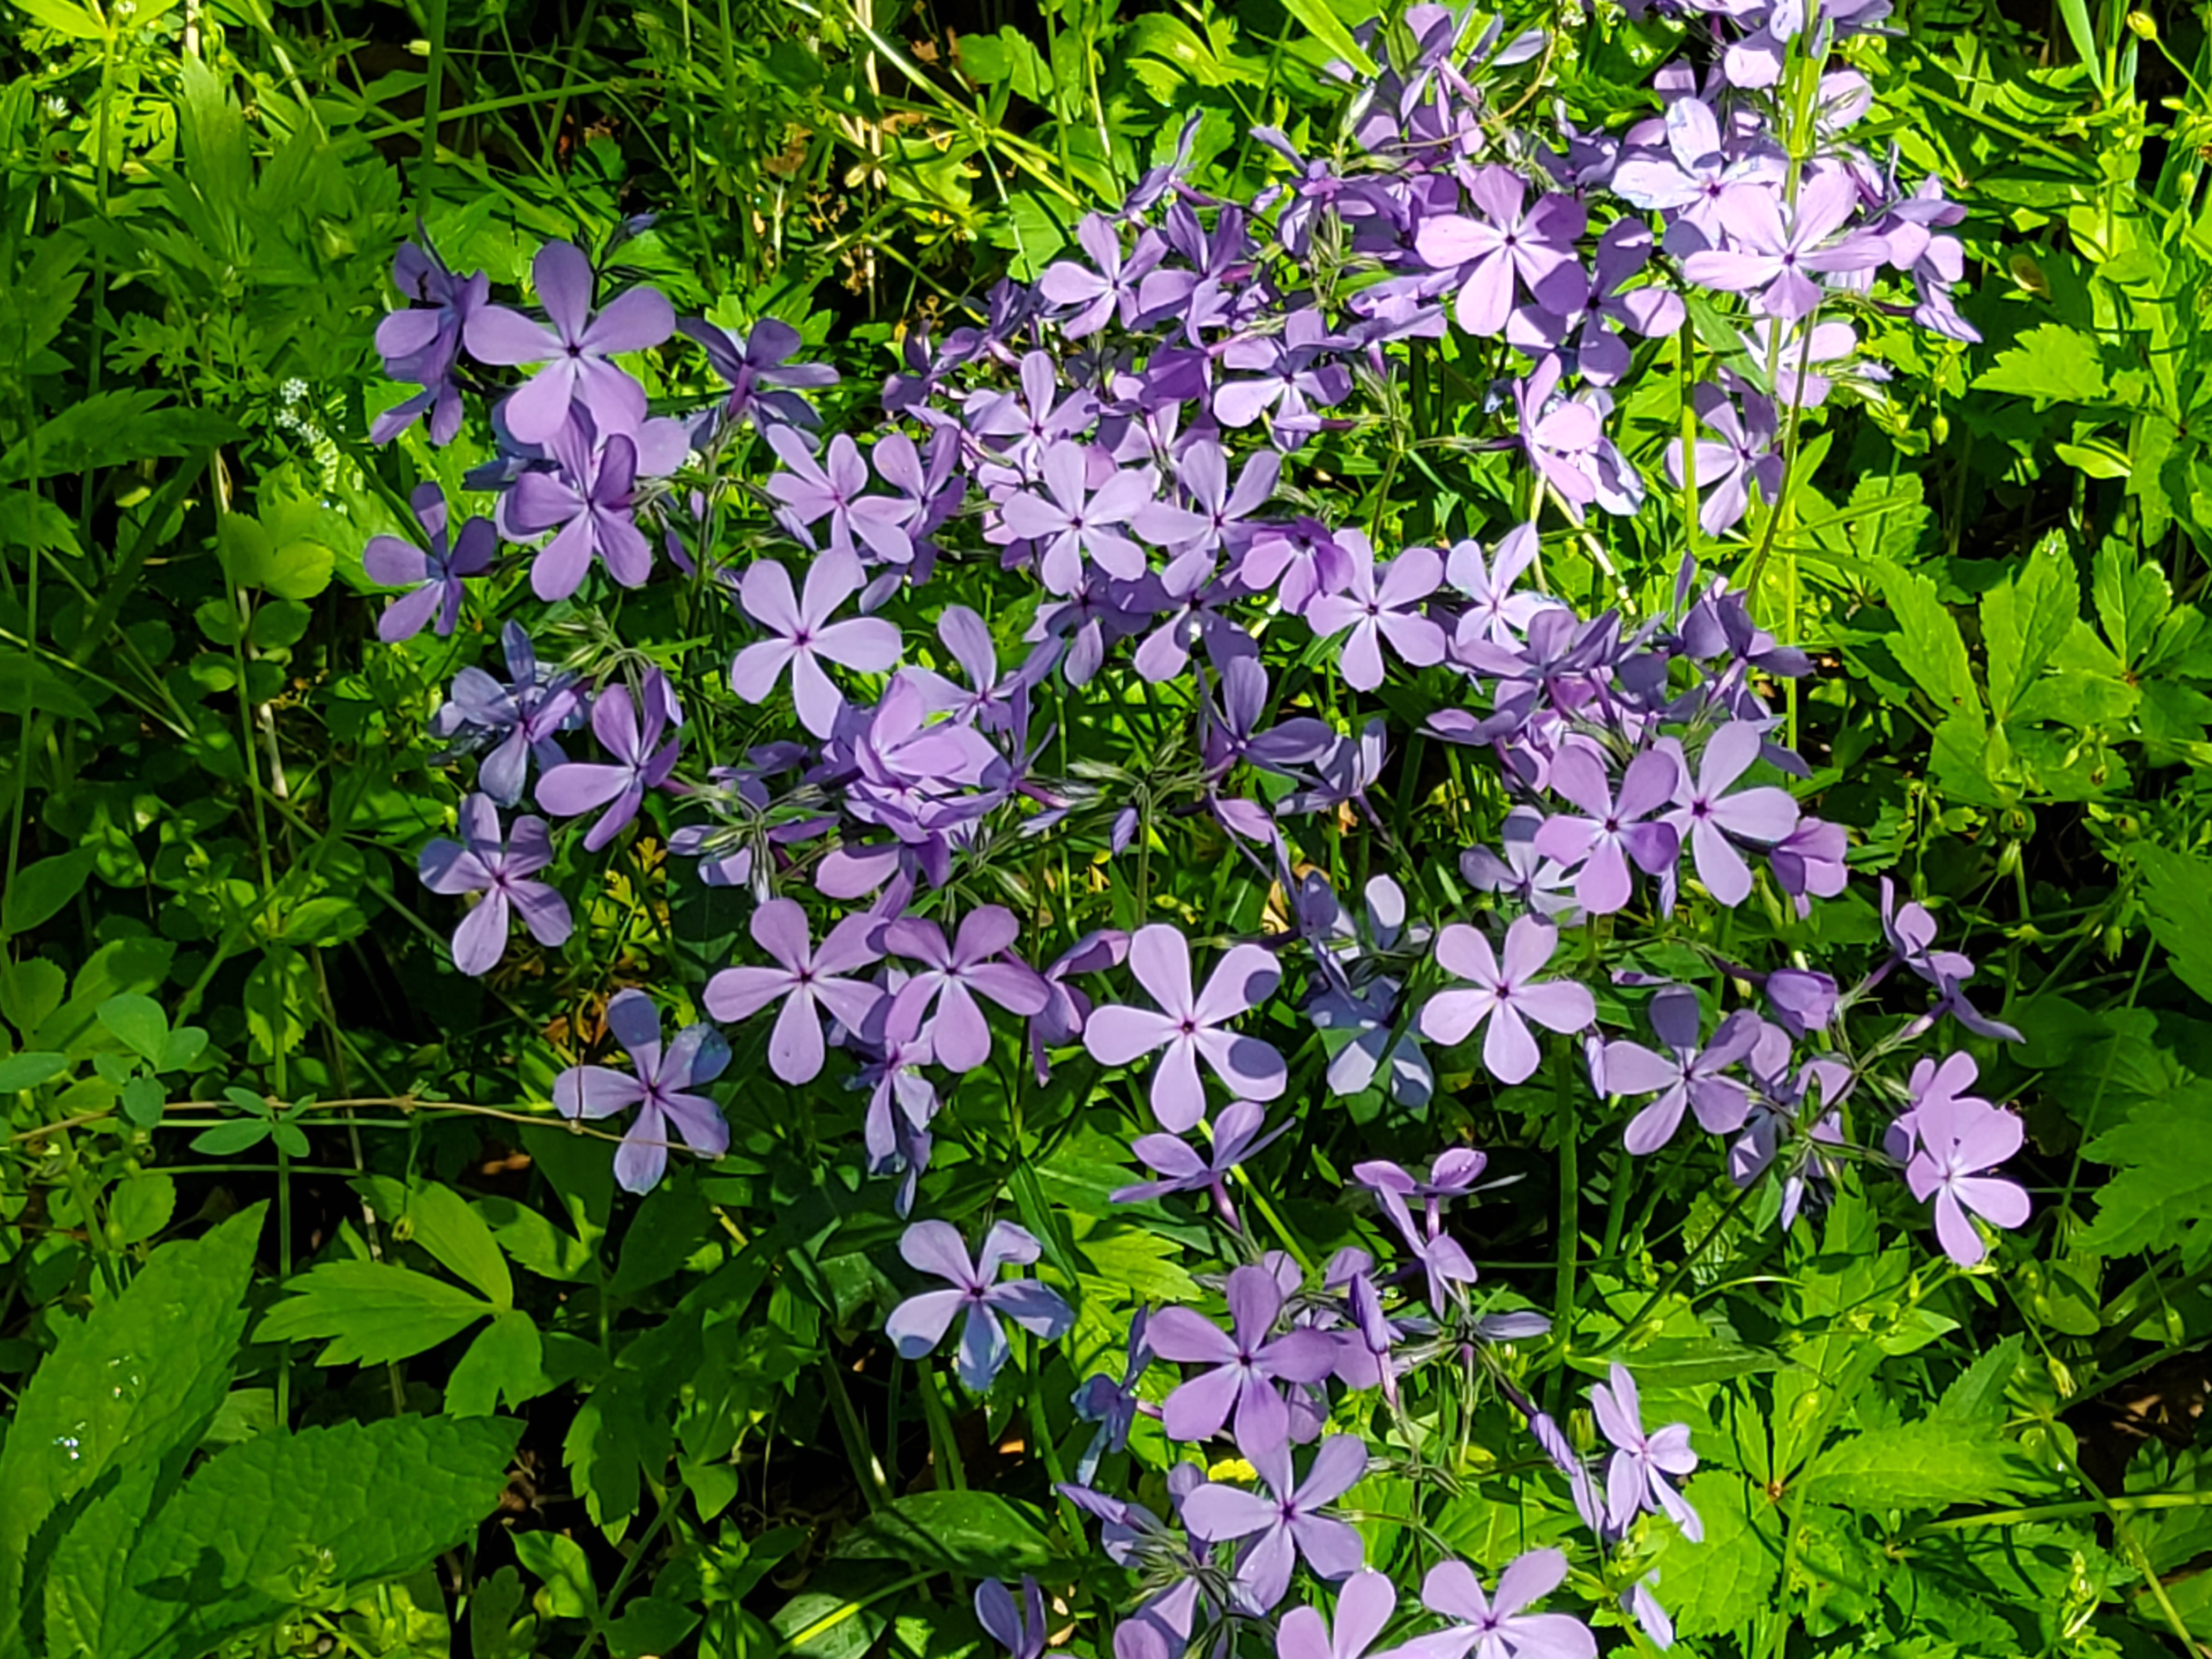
column 1219, row 515
column 764, row 385
column 1745, row 454
column 948, row 977
column 1641, row 1474
column 525, row 716
column 1962, row 1137
column 1363, row 1606
column 641, row 761
column 809, row 979
column 1504, row 246
column 1611, row 830
column 1685, row 1075
column 663, row 1086
column 802, row 636
column 1506, row 995
column 1182, row 1169
column 501, row 868
column 1713, row 821
column 421, row 343
column 1778, row 256
column 1483, row 1628
column 1190, row 1026
column 1244, row 1363
column 1495, row 611
column 1381, row 606
column 1289, row 1522
column 587, row 499
column 435, row 576
column 1020, row 1630
column 978, row 1296
column 574, row 349
column 832, row 488
column 1075, row 519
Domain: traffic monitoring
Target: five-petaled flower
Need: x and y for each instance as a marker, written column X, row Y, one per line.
column 663, row 1085
column 978, row 1295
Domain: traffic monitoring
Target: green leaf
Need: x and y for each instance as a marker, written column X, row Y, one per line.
column 649, row 1625
column 1931, row 645
column 567, row 1591
column 138, row 1023
column 2164, row 1181
column 2027, row 619
column 284, row 1520
column 372, row 1311
column 112, row 429
column 976, row 1533
column 140, row 1207
column 1719, row 1585
column 1977, row 1394
column 2132, row 599
column 227, row 1140
column 28, row 1071
column 40, row 890
column 1920, row 1465
column 2050, row 363
column 326, row 921
column 442, row 1222
column 2075, row 14
column 507, row 1360
column 143, row 1374
column 494, row 1632
column 1326, row 26
column 28, row 686
column 60, row 16
column 2177, row 896
column 253, row 557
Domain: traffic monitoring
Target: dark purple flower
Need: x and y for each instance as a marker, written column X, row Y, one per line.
column 641, row 761
column 764, row 385
column 1061, row 1020
column 1102, row 292
column 918, row 1324
column 949, row 977
column 1021, row 1631
column 807, row 979
column 1190, row 1026
column 524, row 714
column 1113, row 1406
column 1644, row 1467
column 1244, row 1363
column 1295, row 378
column 435, row 576
column 1746, row 454
column 662, row 1087
column 574, row 349
column 588, row 499
column 1182, row 1169
column 423, row 343
column 832, row 488
column 805, row 636
column 500, row 867
column 1381, row 606
column 1911, row 933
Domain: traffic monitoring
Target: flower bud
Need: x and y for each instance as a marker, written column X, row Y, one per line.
column 2144, row 25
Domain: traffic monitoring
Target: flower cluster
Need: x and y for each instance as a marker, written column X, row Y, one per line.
column 1101, row 496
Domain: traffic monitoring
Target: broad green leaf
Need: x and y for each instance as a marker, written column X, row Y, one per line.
column 2163, row 1183
column 111, row 429
column 1920, row 1465
column 975, row 1533
column 2025, row 620
column 61, row 15
column 649, row 1625
column 442, row 1222
column 2132, row 599
column 88, row 1572
column 372, row 1311
column 253, row 557
column 326, row 921
column 140, row 1207
column 30, row 989
column 143, row 1374
column 1717, row 1586
column 2050, row 363
column 285, row 1519
column 1326, row 26
column 2177, row 895
column 41, row 889
column 28, row 1071
column 507, row 1360
column 29, row 685
column 1977, row 1394
column 567, row 1591
column 495, row 1632
column 138, row 1024
column 1929, row 645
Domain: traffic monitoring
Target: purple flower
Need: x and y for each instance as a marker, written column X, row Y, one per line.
column 1565, row 443
column 949, row 977
column 764, row 385
column 918, row 1324
column 1495, row 611
column 423, row 343
column 805, row 636
column 1712, row 820
column 588, row 497
column 500, row 867
column 1021, row 1631
column 1442, row 1260
column 661, row 1087
column 1484, row 1629
column 1643, row 1468
column 1959, row 1137
column 1295, row 378
column 808, row 980
column 1911, row 933
column 1066, row 1009
column 1508, row 247
column 641, row 761
column 1076, row 521
column 1762, row 252
column 1182, row 1169
column 1517, row 871
column 1611, row 832
column 1113, row 1406
column 1745, row 455
column 524, row 715
column 1245, row 1362
column 1190, row 1027
column 435, row 576
column 1809, row 862
column 1685, row 1075
column 1693, row 173
column 1380, row 608
column 574, row 349
column 811, row 490
column 1506, row 996
column 1367, row 1012
column 1286, row 1523
column 1217, row 515
column 1363, row 1606
column 1108, row 291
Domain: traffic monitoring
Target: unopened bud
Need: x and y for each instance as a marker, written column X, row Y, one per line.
column 2144, row 25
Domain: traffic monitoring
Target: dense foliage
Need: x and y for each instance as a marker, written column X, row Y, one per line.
column 1160, row 831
